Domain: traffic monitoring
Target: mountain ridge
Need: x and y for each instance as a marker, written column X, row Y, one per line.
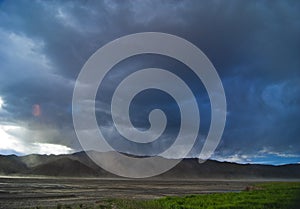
column 80, row 165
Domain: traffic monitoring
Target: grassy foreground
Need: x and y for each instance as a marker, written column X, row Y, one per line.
column 267, row 196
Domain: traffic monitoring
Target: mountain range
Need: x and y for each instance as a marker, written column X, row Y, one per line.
column 80, row 165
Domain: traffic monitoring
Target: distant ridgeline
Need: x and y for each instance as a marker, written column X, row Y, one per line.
column 80, row 165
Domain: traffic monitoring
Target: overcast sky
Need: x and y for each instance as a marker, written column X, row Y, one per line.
column 254, row 46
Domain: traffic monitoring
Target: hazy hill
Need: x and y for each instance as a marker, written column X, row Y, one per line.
column 80, row 165
column 64, row 167
column 11, row 164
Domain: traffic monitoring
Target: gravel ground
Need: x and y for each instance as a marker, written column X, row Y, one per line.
column 49, row 192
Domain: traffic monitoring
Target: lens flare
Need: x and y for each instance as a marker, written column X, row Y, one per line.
column 36, row 110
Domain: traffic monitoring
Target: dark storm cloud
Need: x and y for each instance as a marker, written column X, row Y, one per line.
column 254, row 45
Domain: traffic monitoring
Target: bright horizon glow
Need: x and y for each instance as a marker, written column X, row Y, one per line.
column 1, row 102
column 10, row 142
column 55, row 149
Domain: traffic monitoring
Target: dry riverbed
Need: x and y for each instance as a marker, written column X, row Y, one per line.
column 49, row 192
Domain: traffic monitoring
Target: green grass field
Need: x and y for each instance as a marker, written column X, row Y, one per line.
column 267, row 196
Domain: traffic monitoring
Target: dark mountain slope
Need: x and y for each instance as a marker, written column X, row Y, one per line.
column 11, row 164
column 80, row 165
column 64, row 167
column 190, row 168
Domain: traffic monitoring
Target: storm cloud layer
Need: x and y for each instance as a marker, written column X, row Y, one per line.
column 254, row 46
